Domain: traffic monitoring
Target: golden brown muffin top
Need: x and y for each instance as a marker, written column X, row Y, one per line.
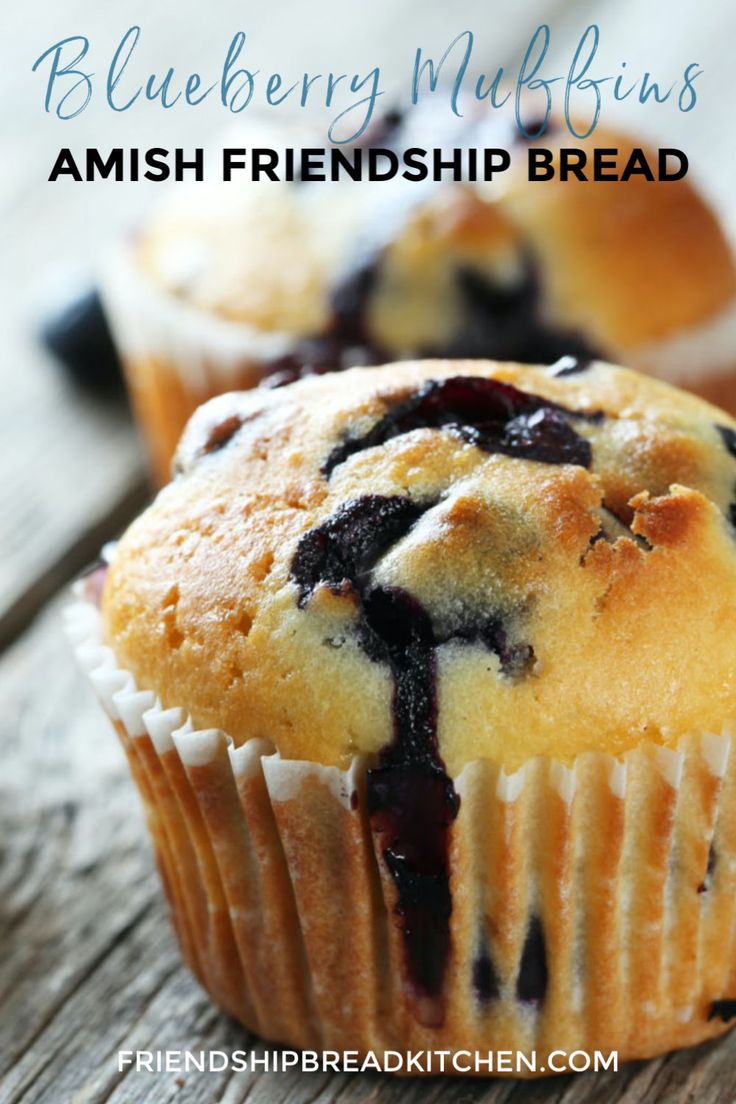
column 508, row 560
column 627, row 262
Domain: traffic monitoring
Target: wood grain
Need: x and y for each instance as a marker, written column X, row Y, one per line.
column 88, row 963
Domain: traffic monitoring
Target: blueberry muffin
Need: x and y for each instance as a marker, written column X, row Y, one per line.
column 229, row 284
column 426, row 676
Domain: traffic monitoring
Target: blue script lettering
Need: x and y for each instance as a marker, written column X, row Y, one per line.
column 68, row 105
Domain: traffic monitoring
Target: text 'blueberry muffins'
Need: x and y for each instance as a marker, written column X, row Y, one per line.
column 231, row 283
column 426, row 674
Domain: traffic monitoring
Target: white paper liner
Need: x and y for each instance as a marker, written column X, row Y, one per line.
column 689, row 355
column 176, row 356
column 202, row 347
column 284, row 909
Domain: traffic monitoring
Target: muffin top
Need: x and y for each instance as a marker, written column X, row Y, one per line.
column 511, row 269
column 484, row 560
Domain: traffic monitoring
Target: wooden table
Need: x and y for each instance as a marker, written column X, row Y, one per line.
column 88, row 964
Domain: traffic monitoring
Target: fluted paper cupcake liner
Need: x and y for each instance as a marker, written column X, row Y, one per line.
column 176, row 356
column 700, row 358
column 593, row 905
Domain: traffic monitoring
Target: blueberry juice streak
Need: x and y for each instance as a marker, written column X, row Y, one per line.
column 412, row 801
